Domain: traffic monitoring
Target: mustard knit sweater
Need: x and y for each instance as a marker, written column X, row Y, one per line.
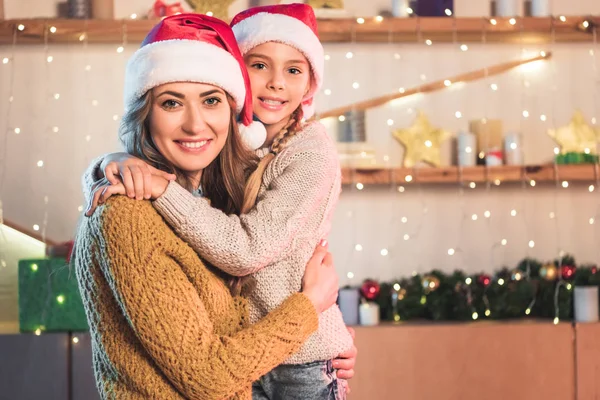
column 163, row 325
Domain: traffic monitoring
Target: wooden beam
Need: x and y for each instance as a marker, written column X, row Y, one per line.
column 526, row 30
column 433, row 86
column 30, row 233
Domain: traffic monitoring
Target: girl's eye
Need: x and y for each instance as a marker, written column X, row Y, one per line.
column 170, row 104
column 212, row 101
column 294, row 71
column 259, row 66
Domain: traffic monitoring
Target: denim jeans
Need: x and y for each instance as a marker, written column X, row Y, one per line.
column 311, row 381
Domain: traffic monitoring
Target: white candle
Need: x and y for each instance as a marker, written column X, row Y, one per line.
column 348, row 301
column 507, row 8
column 466, row 149
column 399, row 8
column 586, row 304
column 369, row 313
column 513, row 154
column 540, row 8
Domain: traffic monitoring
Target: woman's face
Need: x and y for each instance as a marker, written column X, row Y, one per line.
column 189, row 124
column 280, row 77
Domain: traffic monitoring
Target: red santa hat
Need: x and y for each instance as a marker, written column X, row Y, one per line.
column 291, row 24
column 194, row 48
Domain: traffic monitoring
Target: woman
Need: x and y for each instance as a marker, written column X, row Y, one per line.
column 164, row 324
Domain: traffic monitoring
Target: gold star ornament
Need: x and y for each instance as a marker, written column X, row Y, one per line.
column 421, row 142
column 326, row 3
column 217, row 8
column 577, row 137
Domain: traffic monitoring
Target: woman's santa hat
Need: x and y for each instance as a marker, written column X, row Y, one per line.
column 291, row 24
column 194, row 48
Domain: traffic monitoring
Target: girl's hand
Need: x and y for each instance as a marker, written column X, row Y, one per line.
column 101, row 191
column 135, row 174
column 159, row 185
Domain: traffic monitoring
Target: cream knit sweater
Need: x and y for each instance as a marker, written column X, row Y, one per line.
column 275, row 240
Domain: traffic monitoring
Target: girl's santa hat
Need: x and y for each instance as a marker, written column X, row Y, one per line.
column 194, row 48
column 291, row 24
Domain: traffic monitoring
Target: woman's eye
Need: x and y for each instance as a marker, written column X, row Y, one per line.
column 259, row 66
column 295, row 71
column 170, row 104
column 213, row 101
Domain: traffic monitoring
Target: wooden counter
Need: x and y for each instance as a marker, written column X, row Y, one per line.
column 427, row 361
column 491, row 361
column 587, row 344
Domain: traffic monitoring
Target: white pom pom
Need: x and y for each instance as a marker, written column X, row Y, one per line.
column 253, row 135
column 308, row 110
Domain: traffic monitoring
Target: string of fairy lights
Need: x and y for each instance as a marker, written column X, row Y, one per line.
column 52, row 98
column 526, row 184
column 592, row 188
column 6, row 129
column 13, row 127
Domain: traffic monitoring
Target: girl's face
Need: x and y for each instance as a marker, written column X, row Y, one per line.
column 280, row 77
column 189, row 124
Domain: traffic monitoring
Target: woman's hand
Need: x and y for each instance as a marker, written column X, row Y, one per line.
column 320, row 281
column 135, row 174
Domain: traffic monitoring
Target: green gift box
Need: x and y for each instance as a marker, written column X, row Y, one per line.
column 49, row 297
column 576, row 158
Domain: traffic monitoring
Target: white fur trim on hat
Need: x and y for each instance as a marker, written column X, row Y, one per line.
column 253, row 135
column 182, row 61
column 270, row 27
column 308, row 110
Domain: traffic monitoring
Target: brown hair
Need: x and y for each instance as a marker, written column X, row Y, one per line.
column 279, row 143
column 222, row 180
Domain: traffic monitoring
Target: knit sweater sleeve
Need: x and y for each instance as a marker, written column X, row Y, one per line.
column 169, row 318
column 90, row 176
column 243, row 245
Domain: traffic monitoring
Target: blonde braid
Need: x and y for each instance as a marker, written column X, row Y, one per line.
column 279, row 143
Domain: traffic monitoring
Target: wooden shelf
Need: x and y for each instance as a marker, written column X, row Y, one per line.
column 438, row 29
column 30, row 233
column 479, row 174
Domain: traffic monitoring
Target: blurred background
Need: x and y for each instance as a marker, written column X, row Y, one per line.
column 467, row 233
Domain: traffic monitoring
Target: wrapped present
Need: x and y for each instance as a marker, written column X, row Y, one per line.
column 49, row 297
column 489, row 134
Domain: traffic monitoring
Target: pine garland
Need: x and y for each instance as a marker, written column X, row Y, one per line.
column 508, row 294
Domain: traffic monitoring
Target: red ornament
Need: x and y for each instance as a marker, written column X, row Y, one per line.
column 161, row 10
column 63, row 250
column 370, row 289
column 567, row 271
column 594, row 269
column 484, row 280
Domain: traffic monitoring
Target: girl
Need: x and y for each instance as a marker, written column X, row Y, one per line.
column 163, row 324
column 289, row 199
